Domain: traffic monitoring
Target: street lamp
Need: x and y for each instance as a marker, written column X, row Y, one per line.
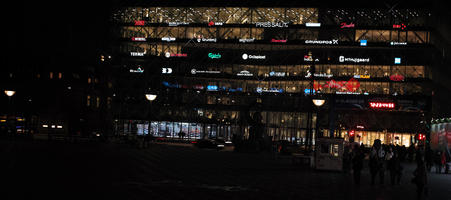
column 10, row 93
column 318, row 103
column 150, row 98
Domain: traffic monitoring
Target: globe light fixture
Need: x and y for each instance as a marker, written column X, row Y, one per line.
column 151, row 97
column 10, row 93
column 319, row 102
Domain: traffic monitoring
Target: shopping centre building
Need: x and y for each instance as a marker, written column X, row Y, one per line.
column 213, row 66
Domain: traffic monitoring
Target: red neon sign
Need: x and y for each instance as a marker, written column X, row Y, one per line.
column 350, row 85
column 345, row 25
column 399, row 26
column 397, row 77
column 382, row 105
column 280, row 41
column 139, row 22
column 211, row 23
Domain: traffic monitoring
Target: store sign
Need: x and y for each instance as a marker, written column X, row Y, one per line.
column 362, row 76
column 246, row 56
column 346, row 25
column 397, row 61
column 137, row 53
column 313, row 24
column 244, row 73
column 168, row 39
column 139, row 22
column 195, row 71
column 399, row 26
column 177, row 23
column 397, row 77
column 272, row 90
column 214, row 56
column 206, row 40
column 278, row 41
column 387, row 105
column 398, row 43
column 166, row 70
column 307, row 91
column 139, row 70
column 329, row 42
column 277, row 74
column 345, row 86
column 346, row 92
column 212, row 87
column 272, row 24
column 168, row 55
column 212, row 23
column 246, row 40
column 355, row 60
column 139, row 39
column 363, row 43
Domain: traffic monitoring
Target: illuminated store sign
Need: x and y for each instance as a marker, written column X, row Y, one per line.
column 345, row 86
column 307, row 91
column 273, row 90
column 140, row 39
column 399, row 26
column 166, row 70
column 139, row 22
column 323, row 75
column 246, row 40
column 214, row 56
column 313, row 24
column 206, row 39
column 278, row 74
column 195, row 71
column 255, row 57
column 278, row 41
column 388, row 105
column 362, row 76
column 212, row 23
column 177, row 23
column 354, row 93
column 398, row 43
column 168, row 39
column 168, row 55
column 212, row 87
column 321, row 42
column 244, row 73
column 356, row 60
column 363, row 43
column 397, row 61
column 397, row 77
column 345, row 25
column 139, row 70
column 137, row 53
column 272, row 24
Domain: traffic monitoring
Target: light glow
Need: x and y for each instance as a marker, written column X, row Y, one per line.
column 318, row 102
column 151, row 97
column 382, row 105
column 10, row 93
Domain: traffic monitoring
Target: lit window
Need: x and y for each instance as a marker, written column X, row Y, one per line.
column 89, row 80
column 88, row 100
column 60, row 75
column 45, row 126
column 51, row 75
column 59, row 126
column 98, row 102
column 53, row 126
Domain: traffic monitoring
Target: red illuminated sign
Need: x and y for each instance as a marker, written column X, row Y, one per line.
column 350, row 85
column 397, row 77
column 280, row 41
column 399, row 26
column 139, row 22
column 382, row 105
column 345, row 25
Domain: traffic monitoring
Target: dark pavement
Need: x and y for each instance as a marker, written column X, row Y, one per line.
column 41, row 169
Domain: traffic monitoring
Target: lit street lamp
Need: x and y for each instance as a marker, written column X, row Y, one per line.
column 318, row 103
column 10, row 93
column 150, row 98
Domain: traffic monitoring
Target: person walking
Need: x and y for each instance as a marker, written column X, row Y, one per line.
column 420, row 179
column 443, row 161
column 357, row 163
column 376, row 163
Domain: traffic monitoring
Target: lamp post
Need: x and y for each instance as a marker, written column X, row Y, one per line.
column 318, row 103
column 150, row 98
column 9, row 93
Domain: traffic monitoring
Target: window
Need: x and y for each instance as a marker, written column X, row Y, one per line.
column 88, row 100
column 51, row 75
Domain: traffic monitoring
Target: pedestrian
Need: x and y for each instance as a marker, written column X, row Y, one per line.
column 395, row 168
column 443, row 161
column 420, row 179
column 438, row 160
column 376, row 163
column 357, row 163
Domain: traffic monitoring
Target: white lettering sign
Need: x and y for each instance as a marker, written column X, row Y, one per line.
column 272, row 24
column 244, row 73
column 168, row 39
column 356, row 60
column 246, row 40
column 321, row 42
column 137, row 53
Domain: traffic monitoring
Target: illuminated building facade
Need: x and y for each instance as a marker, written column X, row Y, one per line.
column 212, row 66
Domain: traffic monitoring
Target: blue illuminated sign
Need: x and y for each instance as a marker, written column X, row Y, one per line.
column 397, row 60
column 363, row 42
column 307, row 91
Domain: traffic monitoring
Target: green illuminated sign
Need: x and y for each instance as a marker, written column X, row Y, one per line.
column 213, row 56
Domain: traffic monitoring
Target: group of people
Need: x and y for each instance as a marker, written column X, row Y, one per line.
column 388, row 158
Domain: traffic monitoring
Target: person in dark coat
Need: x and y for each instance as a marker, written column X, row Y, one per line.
column 395, row 168
column 357, row 163
column 420, row 178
